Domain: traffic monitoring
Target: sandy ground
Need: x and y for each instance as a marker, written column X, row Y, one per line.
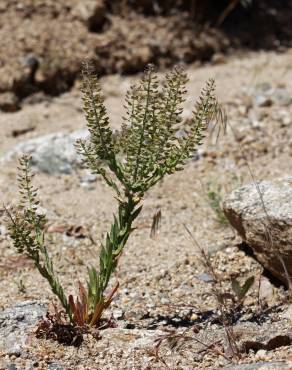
column 157, row 276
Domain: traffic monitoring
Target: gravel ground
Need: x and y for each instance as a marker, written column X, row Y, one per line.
column 161, row 283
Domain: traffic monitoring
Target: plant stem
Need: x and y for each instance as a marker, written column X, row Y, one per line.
column 119, row 234
column 116, row 239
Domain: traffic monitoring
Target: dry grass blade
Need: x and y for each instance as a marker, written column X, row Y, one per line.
column 173, row 338
column 156, row 221
column 221, row 297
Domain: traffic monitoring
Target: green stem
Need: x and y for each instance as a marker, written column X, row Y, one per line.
column 115, row 242
column 47, row 272
column 46, row 269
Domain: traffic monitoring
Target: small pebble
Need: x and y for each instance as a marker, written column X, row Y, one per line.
column 261, row 354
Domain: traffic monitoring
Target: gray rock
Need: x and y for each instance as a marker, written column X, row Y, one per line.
column 11, row 367
column 284, row 117
column 264, row 95
column 15, row 324
column 267, row 230
column 88, row 181
column 282, row 97
column 3, row 230
column 266, row 291
column 263, row 101
column 55, row 366
column 53, row 153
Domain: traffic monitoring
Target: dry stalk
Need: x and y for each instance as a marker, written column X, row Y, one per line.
column 217, row 291
column 173, row 338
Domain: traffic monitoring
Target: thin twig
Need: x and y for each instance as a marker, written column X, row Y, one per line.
column 219, row 297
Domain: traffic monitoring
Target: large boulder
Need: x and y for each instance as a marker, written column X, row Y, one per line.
column 54, row 153
column 262, row 215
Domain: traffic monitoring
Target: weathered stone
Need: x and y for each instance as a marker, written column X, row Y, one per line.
column 264, row 95
column 91, row 12
column 55, row 366
column 11, row 367
column 263, row 101
column 88, row 181
column 54, row 153
column 9, row 102
column 265, row 224
column 287, row 314
column 266, row 291
column 15, row 323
